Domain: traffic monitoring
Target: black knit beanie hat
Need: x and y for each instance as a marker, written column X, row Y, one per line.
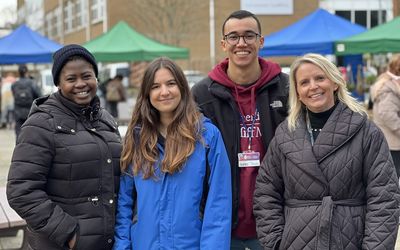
column 61, row 56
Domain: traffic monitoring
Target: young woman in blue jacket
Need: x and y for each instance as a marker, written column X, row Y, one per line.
column 175, row 191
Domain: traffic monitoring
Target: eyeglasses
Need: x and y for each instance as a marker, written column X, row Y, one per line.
column 248, row 37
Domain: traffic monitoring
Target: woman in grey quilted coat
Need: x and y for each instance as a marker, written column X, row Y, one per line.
column 328, row 180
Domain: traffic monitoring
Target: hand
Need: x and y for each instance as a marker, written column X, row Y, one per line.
column 72, row 242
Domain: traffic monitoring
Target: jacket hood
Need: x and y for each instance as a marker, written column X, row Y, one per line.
column 341, row 125
column 205, row 120
column 390, row 85
column 245, row 94
column 91, row 112
column 37, row 103
column 268, row 71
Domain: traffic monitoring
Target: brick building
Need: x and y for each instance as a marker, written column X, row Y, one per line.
column 185, row 23
column 188, row 23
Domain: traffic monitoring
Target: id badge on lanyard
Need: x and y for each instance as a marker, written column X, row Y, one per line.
column 249, row 158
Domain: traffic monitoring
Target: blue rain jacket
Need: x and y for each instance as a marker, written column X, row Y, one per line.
column 168, row 206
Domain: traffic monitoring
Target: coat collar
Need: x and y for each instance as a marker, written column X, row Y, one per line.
column 67, row 114
column 340, row 127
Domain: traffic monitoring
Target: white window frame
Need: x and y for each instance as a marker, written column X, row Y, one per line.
column 80, row 12
column 59, row 23
column 97, row 6
column 368, row 16
column 68, row 17
column 49, row 24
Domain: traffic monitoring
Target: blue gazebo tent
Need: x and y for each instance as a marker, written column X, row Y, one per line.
column 315, row 33
column 24, row 45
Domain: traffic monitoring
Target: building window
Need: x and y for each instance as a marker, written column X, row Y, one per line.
column 54, row 28
column 96, row 10
column 375, row 17
column 79, row 20
column 58, row 21
column 53, row 23
column 368, row 19
column 68, row 17
column 361, row 18
column 346, row 14
column 49, row 28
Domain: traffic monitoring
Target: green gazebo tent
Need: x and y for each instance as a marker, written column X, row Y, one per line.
column 123, row 43
column 380, row 39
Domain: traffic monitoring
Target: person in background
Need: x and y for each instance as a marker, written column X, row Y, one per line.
column 1, row 97
column 385, row 95
column 245, row 96
column 7, row 101
column 102, row 90
column 24, row 91
column 327, row 180
column 3, row 124
column 115, row 93
column 176, row 185
column 64, row 174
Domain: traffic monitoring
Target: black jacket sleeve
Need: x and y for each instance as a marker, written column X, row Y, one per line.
column 27, row 178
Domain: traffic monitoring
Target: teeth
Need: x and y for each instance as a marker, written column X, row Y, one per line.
column 242, row 52
column 316, row 95
column 82, row 93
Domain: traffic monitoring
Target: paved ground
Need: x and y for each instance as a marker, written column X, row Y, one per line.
column 7, row 142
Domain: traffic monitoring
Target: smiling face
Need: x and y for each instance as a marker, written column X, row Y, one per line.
column 242, row 54
column 165, row 95
column 78, row 82
column 315, row 90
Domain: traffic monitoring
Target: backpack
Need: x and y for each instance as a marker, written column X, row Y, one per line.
column 113, row 94
column 23, row 93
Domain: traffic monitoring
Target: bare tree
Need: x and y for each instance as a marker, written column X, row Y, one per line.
column 171, row 21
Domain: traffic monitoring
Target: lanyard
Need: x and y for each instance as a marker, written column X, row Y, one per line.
column 251, row 128
column 242, row 117
column 309, row 129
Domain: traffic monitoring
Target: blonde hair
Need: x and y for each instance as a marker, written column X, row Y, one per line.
column 393, row 68
column 333, row 74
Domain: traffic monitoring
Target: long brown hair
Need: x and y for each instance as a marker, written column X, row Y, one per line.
column 140, row 145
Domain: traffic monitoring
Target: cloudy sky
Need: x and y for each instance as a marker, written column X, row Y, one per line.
column 7, row 11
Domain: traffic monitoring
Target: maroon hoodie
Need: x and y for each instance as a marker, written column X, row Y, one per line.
column 245, row 97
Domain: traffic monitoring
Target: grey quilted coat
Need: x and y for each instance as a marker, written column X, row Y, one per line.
column 341, row 193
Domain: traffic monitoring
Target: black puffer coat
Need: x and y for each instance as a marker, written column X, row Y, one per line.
column 342, row 193
column 64, row 174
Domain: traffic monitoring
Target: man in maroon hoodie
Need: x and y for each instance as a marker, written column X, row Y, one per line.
column 245, row 96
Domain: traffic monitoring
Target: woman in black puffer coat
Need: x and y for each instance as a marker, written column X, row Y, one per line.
column 327, row 180
column 64, row 173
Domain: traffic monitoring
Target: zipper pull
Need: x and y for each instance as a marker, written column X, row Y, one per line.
column 94, row 200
